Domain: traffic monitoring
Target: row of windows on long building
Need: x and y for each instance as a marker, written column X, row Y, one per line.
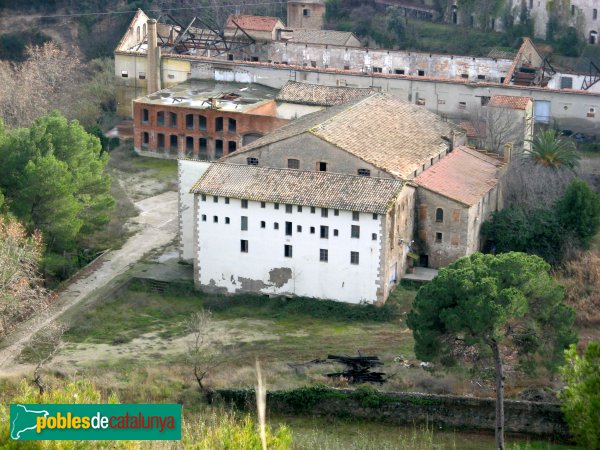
column 288, row 251
column 289, row 227
column 206, row 148
column 192, row 121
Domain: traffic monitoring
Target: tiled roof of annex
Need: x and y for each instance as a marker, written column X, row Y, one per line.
column 322, row 37
column 389, row 133
column 299, row 187
column 509, row 101
column 464, row 175
column 254, row 23
column 317, row 94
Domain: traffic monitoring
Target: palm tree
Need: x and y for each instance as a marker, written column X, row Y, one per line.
column 550, row 150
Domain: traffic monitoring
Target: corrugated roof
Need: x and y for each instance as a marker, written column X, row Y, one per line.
column 509, row 101
column 323, row 37
column 383, row 130
column 254, row 23
column 299, row 187
column 316, row 94
column 464, row 175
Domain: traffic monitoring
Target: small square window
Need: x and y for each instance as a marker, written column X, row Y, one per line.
column 355, row 215
column 227, row 220
column 276, row 205
column 227, row 200
column 312, row 230
column 322, row 166
column 336, row 212
column 375, row 217
column 299, row 228
column 421, row 73
column 364, row 172
column 399, row 71
column 288, row 209
column 299, row 208
column 481, row 77
column 324, row 212
column 263, row 204
column 276, row 226
column 244, row 246
column 263, row 224
column 336, row 232
column 216, row 219
column 323, row 255
column 215, row 199
column 438, row 237
column 374, row 236
column 312, row 209
column 355, row 231
column 203, row 197
column 353, row 257
column 203, row 217
column 245, row 204
column 293, row 163
column 252, row 161
column 287, row 251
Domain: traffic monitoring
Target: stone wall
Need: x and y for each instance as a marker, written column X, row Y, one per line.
column 539, row 419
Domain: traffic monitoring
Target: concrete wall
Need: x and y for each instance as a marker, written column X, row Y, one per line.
column 309, row 150
column 443, row 412
column 460, row 227
column 297, row 19
column 188, row 172
column 264, row 268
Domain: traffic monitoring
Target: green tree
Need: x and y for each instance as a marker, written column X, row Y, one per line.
column 55, row 180
column 581, row 397
column 549, row 150
column 493, row 304
column 396, row 24
column 578, row 211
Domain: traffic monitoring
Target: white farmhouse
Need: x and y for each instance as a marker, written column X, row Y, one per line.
column 295, row 232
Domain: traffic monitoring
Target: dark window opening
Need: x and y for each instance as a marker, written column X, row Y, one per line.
column 145, row 116
column 439, row 215
column 355, row 232
column 215, row 219
column 227, row 221
column 252, row 161
column 336, row 212
column 173, row 143
column 438, row 237
column 374, row 236
column 355, row 215
column 287, row 251
column 263, row 224
column 203, row 217
column 299, row 228
column 464, row 75
column 229, row 57
column 202, row 122
column 276, row 226
column 254, row 58
column 219, row 124
column 145, row 138
column 244, row 246
column 306, row 12
column 160, row 141
column 231, row 146
column 364, row 172
column 160, row 118
column 299, row 208
column 203, row 154
column 336, row 232
column 481, row 77
column 288, row 228
column 421, row 73
column 324, row 212
column 324, row 233
column 312, row 209
column 322, row 166
column 263, row 204
column 245, row 204
column 172, row 120
column 244, row 223
column 189, row 121
column 218, row 148
column 323, row 255
column 276, row 205
column 312, row 230
column 399, row 71
column 189, row 145
column 293, row 163
column 375, row 217
column 354, row 258
column 232, row 125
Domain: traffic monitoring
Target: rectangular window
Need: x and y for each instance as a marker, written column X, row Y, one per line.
column 323, row 255
column 312, row 230
column 263, row 224
column 215, row 219
column 276, row 226
column 244, row 223
column 124, row 74
column 355, row 231
column 146, row 116
column 276, row 205
column 288, row 209
column 227, row 200
column 215, row 199
column 421, row 73
column 145, row 138
column 355, row 215
column 203, row 197
column 160, row 118
column 364, row 172
column 438, row 237
column 322, row 166
column 287, row 251
column 227, row 221
column 481, row 77
column 189, row 121
column 312, row 209
column 306, row 12
column 245, row 204
column 324, row 232
column 377, row 70
column 219, row 124
column 288, row 228
column 299, row 228
column 263, row 205
column 299, row 208
column 399, row 71
column 232, row 125
column 375, row 217
column 336, row 212
column 172, row 120
column 244, row 246
column 566, row 82
column 462, row 105
column 231, row 146
column 252, row 161
column 203, row 149
column 202, row 122
column 203, row 217
column 218, row 148
column 324, row 212
column 594, row 14
column 336, row 232
column 353, row 257
column 374, row 236
column 293, row 163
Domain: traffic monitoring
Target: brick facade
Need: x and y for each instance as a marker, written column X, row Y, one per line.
column 172, row 131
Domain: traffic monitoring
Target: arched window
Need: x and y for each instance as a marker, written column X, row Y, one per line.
column 138, row 33
column 439, row 215
column 454, row 14
column 144, row 30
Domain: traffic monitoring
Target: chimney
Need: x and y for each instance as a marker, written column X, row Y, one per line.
column 153, row 59
column 508, row 152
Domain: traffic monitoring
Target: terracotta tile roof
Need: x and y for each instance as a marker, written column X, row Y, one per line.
column 323, row 37
column 299, row 187
column 464, row 175
column 473, row 130
column 316, row 94
column 389, row 133
column 254, row 23
column 509, row 101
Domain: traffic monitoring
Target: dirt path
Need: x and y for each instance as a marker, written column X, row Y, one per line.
column 157, row 226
